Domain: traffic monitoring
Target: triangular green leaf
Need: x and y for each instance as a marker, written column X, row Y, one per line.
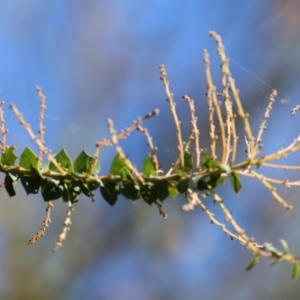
column 63, row 160
column 202, row 185
column 173, row 192
column 9, row 157
column 85, row 163
column 118, row 167
column 188, row 161
column 109, row 192
column 147, row 195
column 178, row 171
column 226, row 168
column 183, row 185
column 161, row 190
column 9, row 184
column 130, row 191
column 235, row 181
column 148, row 166
column 30, row 184
column 28, row 159
column 71, row 192
column 88, row 188
column 209, row 162
column 51, row 190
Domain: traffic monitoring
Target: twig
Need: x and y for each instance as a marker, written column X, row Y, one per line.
column 46, row 223
column 37, row 140
column 170, row 100
column 41, row 119
column 151, row 146
column 195, row 130
column 66, row 228
column 114, row 140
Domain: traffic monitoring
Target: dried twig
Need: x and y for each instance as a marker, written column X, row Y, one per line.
column 46, row 223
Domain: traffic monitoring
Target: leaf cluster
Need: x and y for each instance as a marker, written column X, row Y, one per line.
column 196, row 173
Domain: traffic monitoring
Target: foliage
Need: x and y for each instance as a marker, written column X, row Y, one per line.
column 196, row 173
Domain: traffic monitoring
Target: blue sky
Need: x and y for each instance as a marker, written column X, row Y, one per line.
column 97, row 59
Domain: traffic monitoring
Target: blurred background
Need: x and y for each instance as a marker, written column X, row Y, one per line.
column 99, row 59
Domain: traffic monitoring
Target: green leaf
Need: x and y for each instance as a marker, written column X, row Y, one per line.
column 130, row 191
column 148, row 166
column 209, row 162
column 9, row 157
column 88, row 188
column 31, row 184
column 44, row 166
column 295, row 272
column 109, row 192
column 253, row 262
column 187, row 166
column 178, row 171
column 119, row 168
column 63, row 160
column 225, row 167
column 51, row 190
column 188, row 161
column 183, row 185
column 85, row 163
column 235, row 181
column 147, row 195
column 203, row 185
column 173, row 192
column 71, row 192
column 28, row 159
column 161, row 190
column 285, row 246
column 9, row 181
column 273, row 250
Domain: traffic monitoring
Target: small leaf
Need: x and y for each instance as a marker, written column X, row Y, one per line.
column 285, row 246
column 84, row 163
column 9, row 184
column 28, row 159
column 51, row 190
column 188, row 161
column 119, row 168
column 9, row 157
column 273, row 250
column 202, row 185
column 178, row 171
column 109, row 192
column 253, row 262
column 209, row 162
column 130, row 191
column 161, row 190
column 147, row 195
column 71, row 192
column 88, row 188
column 63, row 160
column 295, row 272
column 226, row 168
column 183, row 185
column 44, row 166
column 173, row 192
column 31, row 184
column 148, row 166
column 235, row 181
